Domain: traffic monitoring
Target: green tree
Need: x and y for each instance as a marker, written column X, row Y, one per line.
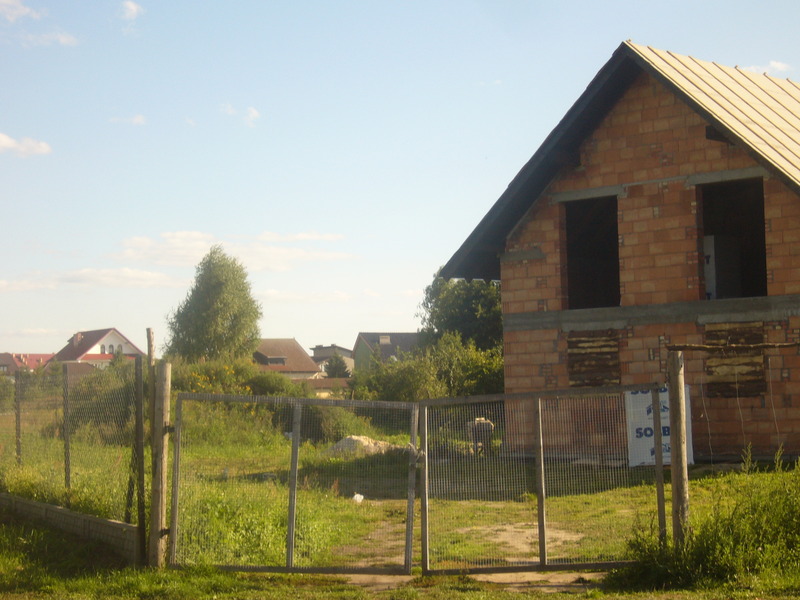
column 448, row 368
column 470, row 308
column 219, row 317
column 336, row 367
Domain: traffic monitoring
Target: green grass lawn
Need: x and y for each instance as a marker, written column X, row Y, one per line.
column 38, row 563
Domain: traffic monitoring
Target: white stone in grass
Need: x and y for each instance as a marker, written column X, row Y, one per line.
column 358, row 498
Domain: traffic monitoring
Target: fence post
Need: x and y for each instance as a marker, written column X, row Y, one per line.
column 67, row 453
column 540, row 488
column 158, row 498
column 412, row 488
column 679, row 467
column 139, row 446
column 423, row 443
column 659, row 466
column 297, row 422
column 18, row 415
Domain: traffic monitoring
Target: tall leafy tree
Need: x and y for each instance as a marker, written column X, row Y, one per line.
column 470, row 308
column 219, row 317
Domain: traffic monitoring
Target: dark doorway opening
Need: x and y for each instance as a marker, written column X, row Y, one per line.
column 733, row 238
column 592, row 253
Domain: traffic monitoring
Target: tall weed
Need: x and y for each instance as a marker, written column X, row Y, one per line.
column 752, row 531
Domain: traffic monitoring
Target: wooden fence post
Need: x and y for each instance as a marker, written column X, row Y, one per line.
column 679, row 467
column 158, row 499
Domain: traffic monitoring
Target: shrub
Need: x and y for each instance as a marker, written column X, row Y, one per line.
column 752, row 531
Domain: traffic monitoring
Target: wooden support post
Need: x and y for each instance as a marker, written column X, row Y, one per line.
column 679, row 468
column 158, row 498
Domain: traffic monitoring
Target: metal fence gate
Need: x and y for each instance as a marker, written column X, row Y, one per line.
column 288, row 484
column 507, row 482
column 539, row 481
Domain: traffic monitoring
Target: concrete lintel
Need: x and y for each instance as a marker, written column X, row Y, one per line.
column 515, row 255
column 732, row 310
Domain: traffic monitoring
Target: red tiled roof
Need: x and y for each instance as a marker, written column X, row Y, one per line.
column 294, row 358
column 83, row 341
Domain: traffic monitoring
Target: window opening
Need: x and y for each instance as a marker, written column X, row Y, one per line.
column 592, row 253
column 734, row 243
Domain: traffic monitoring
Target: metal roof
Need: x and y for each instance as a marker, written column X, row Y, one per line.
column 758, row 112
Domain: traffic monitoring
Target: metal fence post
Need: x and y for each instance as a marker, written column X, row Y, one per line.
column 412, row 488
column 659, row 466
column 158, row 499
column 540, row 487
column 424, row 523
column 297, row 421
column 67, row 470
column 679, row 468
column 139, row 448
column 18, row 416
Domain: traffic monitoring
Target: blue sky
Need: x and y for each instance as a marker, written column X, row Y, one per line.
column 341, row 150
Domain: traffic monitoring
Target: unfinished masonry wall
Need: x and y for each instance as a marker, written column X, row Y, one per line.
column 652, row 152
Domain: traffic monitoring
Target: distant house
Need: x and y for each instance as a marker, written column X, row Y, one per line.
column 10, row 363
column 664, row 208
column 97, row 348
column 383, row 345
column 322, row 354
column 328, row 387
column 286, row 356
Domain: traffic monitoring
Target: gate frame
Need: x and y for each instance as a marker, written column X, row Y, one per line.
column 298, row 403
column 536, row 397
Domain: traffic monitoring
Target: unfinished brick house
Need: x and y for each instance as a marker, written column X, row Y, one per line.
column 663, row 209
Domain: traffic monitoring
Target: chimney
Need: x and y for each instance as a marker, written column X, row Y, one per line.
column 76, row 339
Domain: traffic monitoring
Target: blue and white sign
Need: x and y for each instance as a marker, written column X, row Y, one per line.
column 641, row 436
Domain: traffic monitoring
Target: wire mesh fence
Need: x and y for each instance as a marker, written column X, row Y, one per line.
column 68, row 439
column 552, row 484
column 293, row 484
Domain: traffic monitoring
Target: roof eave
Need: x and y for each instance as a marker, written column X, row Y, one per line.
column 479, row 255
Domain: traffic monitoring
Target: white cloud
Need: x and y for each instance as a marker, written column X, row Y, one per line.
column 15, row 9
column 371, row 293
column 25, row 285
column 134, row 120
column 185, row 248
column 314, row 297
column 131, row 10
column 107, row 278
column 774, row 67
column 48, row 39
column 177, row 248
column 269, row 236
column 24, row 147
column 251, row 116
column 119, row 278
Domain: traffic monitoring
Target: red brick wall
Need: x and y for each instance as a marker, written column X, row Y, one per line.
column 650, row 142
